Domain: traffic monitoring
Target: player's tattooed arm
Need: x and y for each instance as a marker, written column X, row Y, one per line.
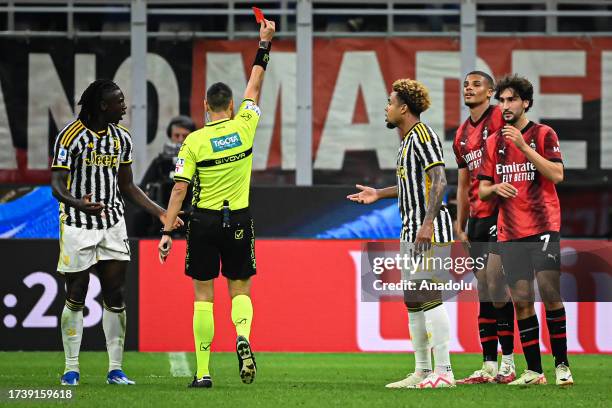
column 436, row 192
column 59, row 186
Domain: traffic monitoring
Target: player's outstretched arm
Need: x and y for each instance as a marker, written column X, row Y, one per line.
column 133, row 193
column 369, row 195
column 179, row 191
column 59, row 186
column 266, row 33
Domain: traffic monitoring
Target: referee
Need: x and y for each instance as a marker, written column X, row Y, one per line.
column 219, row 159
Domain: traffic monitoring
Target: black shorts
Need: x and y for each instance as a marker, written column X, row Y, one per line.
column 482, row 234
column 210, row 244
column 523, row 257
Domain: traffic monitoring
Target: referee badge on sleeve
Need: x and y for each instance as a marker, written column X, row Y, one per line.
column 180, row 164
column 252, row 107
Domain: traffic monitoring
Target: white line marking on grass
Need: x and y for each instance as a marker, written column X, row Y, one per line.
column 179, row 366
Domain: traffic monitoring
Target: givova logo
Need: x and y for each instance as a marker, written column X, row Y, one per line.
column 226, row 142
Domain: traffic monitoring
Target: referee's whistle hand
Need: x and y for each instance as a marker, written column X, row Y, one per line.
column 164, row 247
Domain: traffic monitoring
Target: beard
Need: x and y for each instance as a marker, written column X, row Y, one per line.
column 513, row 119
column 390, row 125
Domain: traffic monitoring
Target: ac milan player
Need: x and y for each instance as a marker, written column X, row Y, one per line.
column 521, row 166
column 470, row 139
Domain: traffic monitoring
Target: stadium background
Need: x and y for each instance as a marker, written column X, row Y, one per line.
column 317, row 138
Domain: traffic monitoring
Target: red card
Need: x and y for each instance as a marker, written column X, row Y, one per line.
column 259, row 17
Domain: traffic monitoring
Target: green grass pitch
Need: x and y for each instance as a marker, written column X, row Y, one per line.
column 296, row 379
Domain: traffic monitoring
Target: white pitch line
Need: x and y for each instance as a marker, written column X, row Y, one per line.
column 179, row 366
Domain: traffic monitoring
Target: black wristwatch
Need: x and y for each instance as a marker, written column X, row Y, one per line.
column 164, row 232
column 265, row 45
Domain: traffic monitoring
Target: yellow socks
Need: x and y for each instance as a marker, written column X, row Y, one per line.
column 242, row 315
column 203, row 332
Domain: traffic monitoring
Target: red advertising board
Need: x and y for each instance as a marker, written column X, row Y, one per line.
column 306, row 298
column 351, row 80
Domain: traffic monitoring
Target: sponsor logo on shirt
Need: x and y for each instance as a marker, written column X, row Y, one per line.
column 102, row 160
column 473, row 158
column 226, row 142
column 516, row 172
column 485, row 133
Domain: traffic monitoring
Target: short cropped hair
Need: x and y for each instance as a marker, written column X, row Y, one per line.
column 485, row 76
column 520, row 85
column 180, row 121
column 219, row 96
column 414, row 94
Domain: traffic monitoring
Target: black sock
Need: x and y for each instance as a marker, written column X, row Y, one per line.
column 505, row 328
column 555, row 320
column 488, row 331
column 530, row 340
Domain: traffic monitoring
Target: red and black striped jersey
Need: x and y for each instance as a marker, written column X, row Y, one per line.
column 536, row 208
column 468, row 146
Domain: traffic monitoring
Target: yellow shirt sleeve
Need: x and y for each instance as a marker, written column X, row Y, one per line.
column 185, row 163
column 248, row 118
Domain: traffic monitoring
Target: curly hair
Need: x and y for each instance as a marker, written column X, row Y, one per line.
column 520, row 85
column 414, row 94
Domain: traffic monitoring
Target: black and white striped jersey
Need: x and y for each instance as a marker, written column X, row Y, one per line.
column 93, row 160
column 419, row 151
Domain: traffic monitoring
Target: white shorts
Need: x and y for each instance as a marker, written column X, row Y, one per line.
column 81, row 248
column 431, row 265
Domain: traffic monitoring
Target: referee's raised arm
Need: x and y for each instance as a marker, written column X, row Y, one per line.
column 266, row 33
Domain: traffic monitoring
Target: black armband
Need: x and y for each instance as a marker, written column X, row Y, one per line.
column 262, row 57
column 164, row 232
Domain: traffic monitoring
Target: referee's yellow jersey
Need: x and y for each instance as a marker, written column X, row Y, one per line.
column 220, row 156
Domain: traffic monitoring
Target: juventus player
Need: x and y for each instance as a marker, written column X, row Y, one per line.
column 91, row 174
column 420, row 189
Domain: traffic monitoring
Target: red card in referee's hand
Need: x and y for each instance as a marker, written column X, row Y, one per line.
column 259, row 16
